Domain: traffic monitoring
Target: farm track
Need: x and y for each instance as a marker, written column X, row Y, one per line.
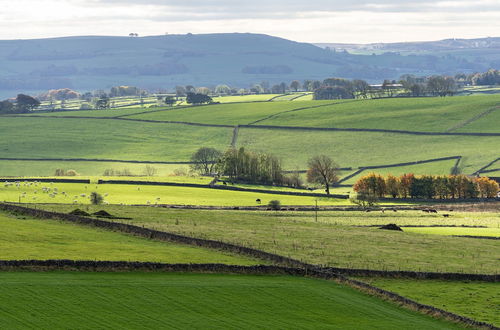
column 473, row 119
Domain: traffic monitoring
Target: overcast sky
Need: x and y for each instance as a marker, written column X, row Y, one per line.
column 362, row 21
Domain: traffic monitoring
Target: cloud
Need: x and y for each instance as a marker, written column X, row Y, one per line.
column 310, row 21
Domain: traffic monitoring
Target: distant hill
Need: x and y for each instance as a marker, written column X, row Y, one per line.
column 485, row 50
column 89, row 63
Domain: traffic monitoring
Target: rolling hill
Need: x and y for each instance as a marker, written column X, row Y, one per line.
column 93, row 62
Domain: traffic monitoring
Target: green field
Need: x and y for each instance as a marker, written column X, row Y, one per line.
column 109, row 139
column 229, row 114
column 61, row 300
column 414, row 114
column 78, row 193
column 327, row 242
column 477, row 300
column 349, row 149
column 30, row 137
column 24, row 238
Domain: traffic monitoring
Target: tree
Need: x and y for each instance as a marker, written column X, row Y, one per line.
column 6, row 107
column 295, row 85
column 96, row 198
column 170, row 100
column 196, row 98
column 180, row 91
column 26, row 103
column 102, row 103
column 205, row 160
column 222, row 90
column 274, row 205
column 392, row 185
column 323, row 170
column 441, row 86
column 150, row 170
column 332, row 93
column 364, row 200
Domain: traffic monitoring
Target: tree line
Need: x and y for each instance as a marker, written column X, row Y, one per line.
column 426, row 186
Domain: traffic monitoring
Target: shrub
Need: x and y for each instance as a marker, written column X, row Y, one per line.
column 96, row 198
column 275, row 205
column 364, row 200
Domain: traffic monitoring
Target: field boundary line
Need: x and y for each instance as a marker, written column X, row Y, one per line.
column 251, row 252
column 473, row 119
column 317, row 273
column 369, row 130
column 97, row 160
column 234, row 139
column 219, row 187
column 432, row 160
column 481, row 170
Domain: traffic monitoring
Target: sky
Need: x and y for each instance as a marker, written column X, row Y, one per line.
column 329, row 21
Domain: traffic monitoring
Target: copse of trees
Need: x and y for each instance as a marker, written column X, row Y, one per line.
column 22, row 104
column 198, row 98
column 427, row 186
column 247, row 166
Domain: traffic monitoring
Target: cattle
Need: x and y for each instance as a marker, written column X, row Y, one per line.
column 258, row 200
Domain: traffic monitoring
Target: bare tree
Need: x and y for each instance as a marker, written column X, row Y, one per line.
column 205, row 159
column 323, row 170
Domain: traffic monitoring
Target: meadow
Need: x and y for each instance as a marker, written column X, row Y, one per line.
column 432, row 114
column 332, row 241
column 60, row 300
column 22, row 238
column 477, row 300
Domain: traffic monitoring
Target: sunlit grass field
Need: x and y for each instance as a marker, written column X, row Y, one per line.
column 79, row 193
column 22, row 238
column 155, row 300
column 477, row 300
column 334, row 240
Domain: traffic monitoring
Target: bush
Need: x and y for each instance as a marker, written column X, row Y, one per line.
column 364, row 200
column 275, row 205
column 96, row 198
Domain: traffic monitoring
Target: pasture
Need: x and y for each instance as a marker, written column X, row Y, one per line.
column 23, row 238
column 156, row 300
column 79, row 194
column 335, row 240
